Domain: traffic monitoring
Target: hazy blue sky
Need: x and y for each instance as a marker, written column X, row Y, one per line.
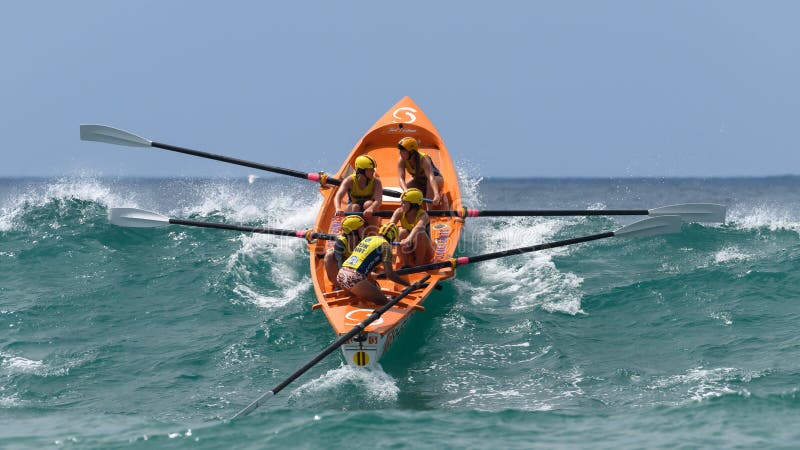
column 525, row 88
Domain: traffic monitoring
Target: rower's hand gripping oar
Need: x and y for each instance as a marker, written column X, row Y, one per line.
column 376, row 314
column 111, row 135
column 647, row 227
column 689, row 212
column 139, row 218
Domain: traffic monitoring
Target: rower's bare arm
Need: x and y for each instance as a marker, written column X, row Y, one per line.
column 427, row 165
column 388, row 270
column 419, row 227
column 401, row 174
column 377, row 194
column 396, row 215
column 344, row 188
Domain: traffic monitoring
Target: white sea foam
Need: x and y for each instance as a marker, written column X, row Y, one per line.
column 469, row 181
column 701, row 384
column 80, row 188
column 17, row 365
column 729, row 254
column 378, row 385
column 771, row 217
column 530, row 279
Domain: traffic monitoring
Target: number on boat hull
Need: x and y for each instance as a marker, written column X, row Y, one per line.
column 361, row 358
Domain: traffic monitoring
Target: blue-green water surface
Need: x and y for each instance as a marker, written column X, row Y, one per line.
column 150, row 338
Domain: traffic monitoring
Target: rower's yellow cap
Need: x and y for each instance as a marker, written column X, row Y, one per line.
column 364, row 162
column 389, row 231
column 408, row 143
column 413, row 196
column 351, row 224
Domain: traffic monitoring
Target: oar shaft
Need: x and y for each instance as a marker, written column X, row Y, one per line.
column 375, row 315
column 473, row 259
column 535, row 248
column 538, row 212
column 564, row 212
column 262, row 230
column 239, row 162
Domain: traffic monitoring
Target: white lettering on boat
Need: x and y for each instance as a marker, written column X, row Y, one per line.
column 357, row 316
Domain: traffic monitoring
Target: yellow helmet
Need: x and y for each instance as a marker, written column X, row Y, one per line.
column 413, row 196
column 351, row 224
column 408, row 143
column 365, row 162
column 389, row 231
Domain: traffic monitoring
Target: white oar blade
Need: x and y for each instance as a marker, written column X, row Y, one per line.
column 111, row 135
column 651, row 227
column 693, row 212
column 137, row 218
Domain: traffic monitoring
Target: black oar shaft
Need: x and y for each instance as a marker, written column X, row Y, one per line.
column 240, row 162
column 254, row 165
column 375, row 315
column 262, row 230
column 522, row 212
column 515, row 251
column 539, row 212
column 561, row 212
column 534, row 248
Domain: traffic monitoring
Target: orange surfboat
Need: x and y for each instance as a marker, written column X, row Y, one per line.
column 343, row 310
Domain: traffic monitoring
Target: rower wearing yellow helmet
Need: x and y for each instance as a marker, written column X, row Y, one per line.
column 416, row 247
column 352, row 233
column 424, row 174
column 354, row 276
column 363, row 190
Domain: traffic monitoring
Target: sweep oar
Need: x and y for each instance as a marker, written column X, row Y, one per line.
column 689, row 212
column 111, row 135
column 376, row 314
column 139, row 218
column 647, row 227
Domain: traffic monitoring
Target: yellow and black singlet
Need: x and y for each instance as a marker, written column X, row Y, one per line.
column 417, row 172
column 371, row 251
column 341, row 249
column 358, row 195
column 410, row 225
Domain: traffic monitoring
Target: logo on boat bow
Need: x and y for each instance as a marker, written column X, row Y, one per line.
column 409, row 112
column 357, row 316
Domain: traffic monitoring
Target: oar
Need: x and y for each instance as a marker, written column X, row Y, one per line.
column 689, row 212
column 111, row 135
column 376, row 314
column 647, row 227
column 139, row 218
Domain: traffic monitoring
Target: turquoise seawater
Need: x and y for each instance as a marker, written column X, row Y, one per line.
column 151, row 338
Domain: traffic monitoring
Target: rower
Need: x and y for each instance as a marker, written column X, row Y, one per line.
column 424, row 174
column 416, row 247
column 352, row 233
column 354, row 276
column 363, row 189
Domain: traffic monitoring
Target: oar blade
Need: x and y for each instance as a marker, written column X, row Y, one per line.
column 693, row 212
column 651, row 227
column 136, row 218
column 111, row 135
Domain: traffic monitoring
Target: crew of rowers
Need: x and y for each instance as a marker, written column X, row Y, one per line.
column 355, row 253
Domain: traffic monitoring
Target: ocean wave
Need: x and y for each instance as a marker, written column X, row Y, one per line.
column 699, row 383
column 530, row 279
column 373, row 386
column 59, row 198
column 277, row 206
column 17, row 365
column 772, row 218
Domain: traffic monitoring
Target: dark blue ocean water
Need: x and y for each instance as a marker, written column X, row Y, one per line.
column 150, row 338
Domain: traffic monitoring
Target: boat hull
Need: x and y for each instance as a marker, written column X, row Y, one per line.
column 343, row 310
